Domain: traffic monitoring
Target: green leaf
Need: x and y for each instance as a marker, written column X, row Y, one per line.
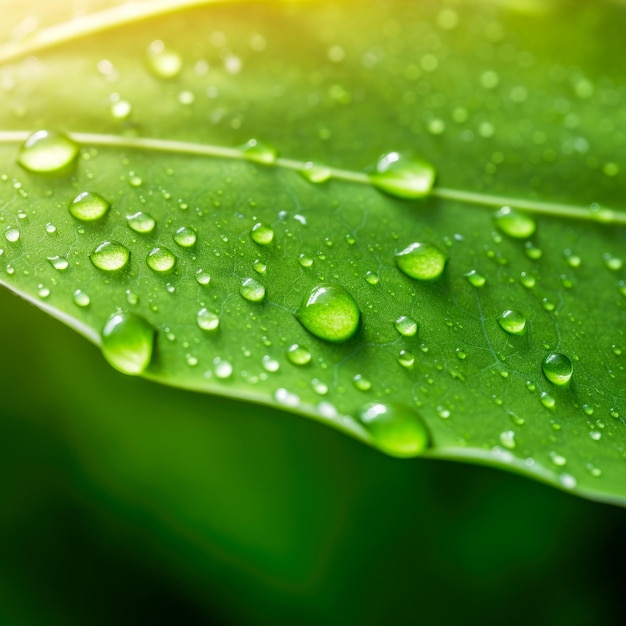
column 296, row 280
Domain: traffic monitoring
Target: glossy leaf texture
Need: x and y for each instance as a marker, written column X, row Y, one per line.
column 218, row 229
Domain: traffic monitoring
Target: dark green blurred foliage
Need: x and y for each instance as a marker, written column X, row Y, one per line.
column 126, row 502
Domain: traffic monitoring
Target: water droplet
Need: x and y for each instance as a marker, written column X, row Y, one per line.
column 121, row 109
column 58, row 262
column 12, row 235
column 395, row 428
column 612, row 262
column 403, row 175
column 305, row 261
column 223, row 369
column 89, row 206
column 270, row 364
column 512, row 322
column 361, row 383
column 558, row 459
column 46, row 151
column 163, row 63
column 252, row 290
column 141, row 222
column 406, row 326
column 514, row 224
column 568, row 481
column 51, row 228
column 127, row 342
column 298, row 354
column 259, row 267
column 43, row 292
column 406, row 359
column 528, row 280
column 80, row 298
column 316, row 173
column 320, row 387
column 259, row 152
column 110, row 256
column 475, row 279
column 185, row 237
column 507, row 439
column 160, row 260
column 330, row 313
column 547, row 400
column 423, row 261
column 202, row 277
column 557, row 368
column 371, row 278
column 207, row 320
column 532, row 252
column 262, row 234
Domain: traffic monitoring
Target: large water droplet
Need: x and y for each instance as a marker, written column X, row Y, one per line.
column 46, row 151
column 514, row 224
column 160, row 259
column 403, row 175
column 512, row 322
column 89, row 206
column 262, row 234
column 12, row 234
column 330, row 313
column 252, row 290
column 259, row 152
column 127, row 342
column 141, row 222
column 185, row 237
column 557, row 368
column 423, row 261
column 396, row 429
column 110, row 256
column 207, row 320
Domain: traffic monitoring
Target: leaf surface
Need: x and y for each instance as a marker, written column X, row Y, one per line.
column 506, row 115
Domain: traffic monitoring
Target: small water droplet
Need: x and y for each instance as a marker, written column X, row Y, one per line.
column 330, row 313
column 507, row 439
column 160, row 259
column 547, row 400
column 163, row 63
column 528, row 280
column 514, row 224
column 51, row 228
column 185, row 237
column 298, row 355
column 262, row 234
column 475, row 279
column 572, row 259
column 406, row 359
column 202, row 277
column 315, row 173
column 557, row 368
column 46, row 152
column 207, row 320
column 612, row 262
column 512, row 322
column 127, row 342
column 222, row 368
column 270, row 364
column 88, row 206
column 259, row 152
column 403, row 175
column 558, row 459
column 43, row 292
column 532, row 252
column 568, row 481
column 58, row 262
column 320, row 387
column 371, row 278
column 361, row 383
column 80, row 298
column 110, row 256
column 141, row 222
column 252, row 290
column 406, row 326
column 422, row 261
column 12, row 235
column 305, row 261
column 395, row 428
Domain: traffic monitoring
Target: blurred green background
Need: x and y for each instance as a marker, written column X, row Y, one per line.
column 126, row 502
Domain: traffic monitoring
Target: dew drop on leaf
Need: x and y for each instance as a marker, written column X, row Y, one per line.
column 88, row 206
column 80, row 298
column 361, row 383
column 514, row 224
column 202, row 277
column 12, row 234
column 395, row 428
column 141, row 222
column 403, row 175
column 262, row 234
column 252, row 290
column 222, row 368
column 185, row 237
column 207, row 320
column 406, row 326
column 47, row 152
column 315, row 173
column 160, row 259
column 58, row 262
column 371, row 278
column 127, row 342
column 298, row 355
column 259, row 152
column 557, row 368
column 163, row 62
column 422, row 261
column 330, row 313
column 475, row 279
column 512, row 322
column 110, row 256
